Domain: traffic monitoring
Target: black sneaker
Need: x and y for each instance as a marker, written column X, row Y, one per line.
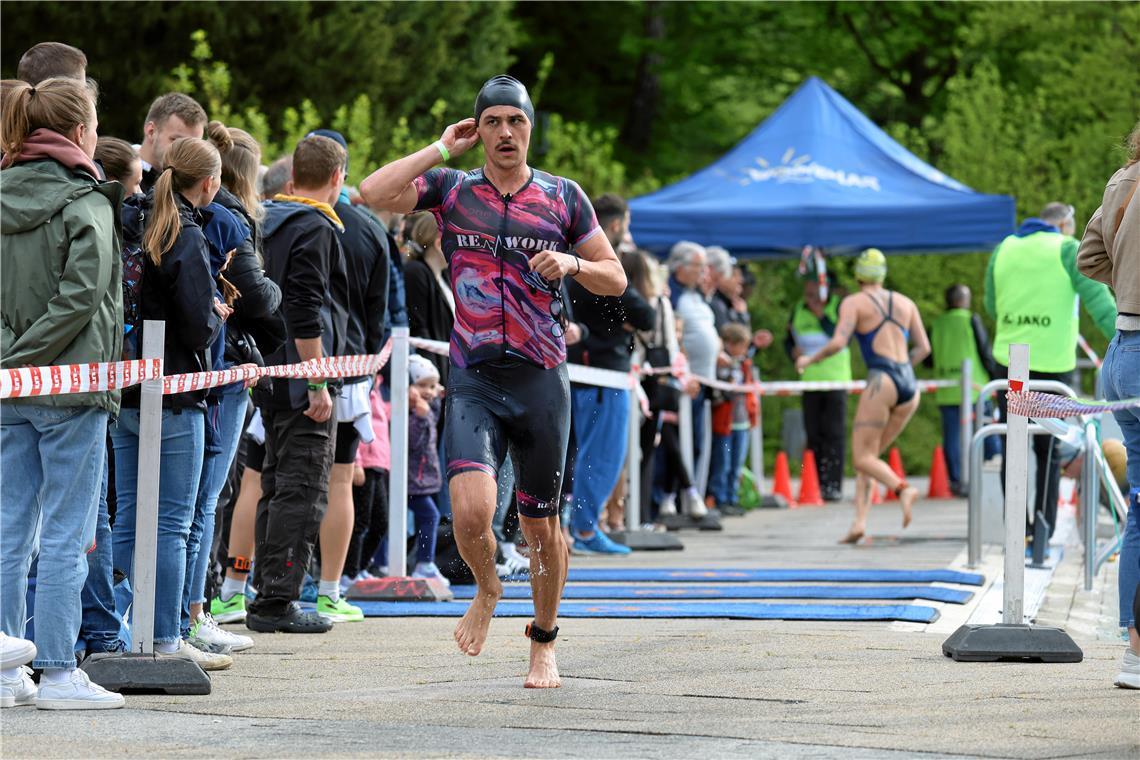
column 292, row 619
column 730, row 510
column 832, row 494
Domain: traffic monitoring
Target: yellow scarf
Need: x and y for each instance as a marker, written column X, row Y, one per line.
column 324, row 208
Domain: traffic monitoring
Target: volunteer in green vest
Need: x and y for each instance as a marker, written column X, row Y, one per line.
column 810, row 326
column 956, row 335
column 1033, row 290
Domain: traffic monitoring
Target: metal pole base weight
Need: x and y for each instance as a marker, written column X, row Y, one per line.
column 773, row 501
column 144, row 672
column 990, row 643
column 399, row 590
column 645, row 541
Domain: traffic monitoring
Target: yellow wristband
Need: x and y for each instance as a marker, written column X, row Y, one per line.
column 442, row 150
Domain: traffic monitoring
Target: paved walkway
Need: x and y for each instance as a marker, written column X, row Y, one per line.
column 633, row 689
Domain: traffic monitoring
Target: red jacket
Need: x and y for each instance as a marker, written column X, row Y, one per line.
column 722, row 410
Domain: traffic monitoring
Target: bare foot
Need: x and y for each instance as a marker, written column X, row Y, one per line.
column 471, row 632
column 543, row 669
column 908, row 497
column 853, row 536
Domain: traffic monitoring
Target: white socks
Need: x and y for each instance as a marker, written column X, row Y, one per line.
column 167, row 647
column 9, row 674
column 230, row 587
column 331, row 589
column 56, row 675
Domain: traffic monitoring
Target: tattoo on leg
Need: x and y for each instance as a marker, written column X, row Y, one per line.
column 874, row 383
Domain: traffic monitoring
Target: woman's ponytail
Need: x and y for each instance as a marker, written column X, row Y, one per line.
column 163, row 225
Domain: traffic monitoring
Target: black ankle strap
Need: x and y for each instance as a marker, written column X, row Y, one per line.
column 542, row 636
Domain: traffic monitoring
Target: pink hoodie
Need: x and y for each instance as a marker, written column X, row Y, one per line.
column 378, row 454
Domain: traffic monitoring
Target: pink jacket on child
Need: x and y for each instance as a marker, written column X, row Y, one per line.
column 378, row 454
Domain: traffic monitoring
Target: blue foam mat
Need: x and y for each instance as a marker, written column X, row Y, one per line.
column 785, row 575
column 733, row 610
column 659, row 592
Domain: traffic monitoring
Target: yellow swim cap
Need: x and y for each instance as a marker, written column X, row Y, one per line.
column 871, row 266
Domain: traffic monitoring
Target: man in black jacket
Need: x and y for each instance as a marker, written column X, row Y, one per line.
column 601, row 415
column 303, row 256
column 365, row 247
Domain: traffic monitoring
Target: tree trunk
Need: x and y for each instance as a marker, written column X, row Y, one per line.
column 638, row 130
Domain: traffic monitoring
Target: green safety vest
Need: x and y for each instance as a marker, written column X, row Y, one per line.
column 952, row 340
column 1036, row 302
column 810, row 337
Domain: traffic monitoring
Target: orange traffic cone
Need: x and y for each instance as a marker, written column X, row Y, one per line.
column 895, row 461
column 939, row 478
column 809, row 482
column 782, row 483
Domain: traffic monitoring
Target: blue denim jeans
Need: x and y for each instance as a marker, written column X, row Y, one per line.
column 99, row 631
column 51, row 462
column 600, row 419
column 1120, row 377
column 229, row 417
column 427, row 526
column 504, row 490
column 728, row 455
column 952, row 440
column 180, row 469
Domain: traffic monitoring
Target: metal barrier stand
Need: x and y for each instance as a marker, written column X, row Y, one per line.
column 1013, row 638
column 139, row 669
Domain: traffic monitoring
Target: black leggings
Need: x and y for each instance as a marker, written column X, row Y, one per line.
column 511, row 405
column 370, row 524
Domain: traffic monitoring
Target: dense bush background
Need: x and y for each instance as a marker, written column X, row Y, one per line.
column 1030, row 99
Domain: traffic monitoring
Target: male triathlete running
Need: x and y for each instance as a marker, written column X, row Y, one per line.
column 507, row 231
column 884, row 322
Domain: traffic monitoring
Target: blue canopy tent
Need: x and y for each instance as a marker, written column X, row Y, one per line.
column 819, row 172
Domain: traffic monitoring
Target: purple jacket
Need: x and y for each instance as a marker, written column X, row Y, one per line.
column 424, row 478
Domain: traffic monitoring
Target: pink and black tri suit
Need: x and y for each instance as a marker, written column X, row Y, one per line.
column 508, row 387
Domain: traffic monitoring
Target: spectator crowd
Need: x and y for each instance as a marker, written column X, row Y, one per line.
column 277, row 494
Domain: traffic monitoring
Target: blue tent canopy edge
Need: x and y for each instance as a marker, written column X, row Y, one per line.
column 819, row 172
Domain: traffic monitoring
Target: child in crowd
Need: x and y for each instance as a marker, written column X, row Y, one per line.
column 734, row 415
column 424, row 476
column 370, row 494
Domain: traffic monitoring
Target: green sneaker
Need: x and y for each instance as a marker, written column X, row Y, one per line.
column 232, row 611
column 339, row 611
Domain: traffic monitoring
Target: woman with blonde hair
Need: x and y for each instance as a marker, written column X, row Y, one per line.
column 178, row 288
column 431, row 308
column 61, row 302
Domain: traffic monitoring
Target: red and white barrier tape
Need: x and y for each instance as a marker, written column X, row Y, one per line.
column 64, row 379
column 95, row 377
column 330, row 366
column 1046, row 405
column 1084, row 344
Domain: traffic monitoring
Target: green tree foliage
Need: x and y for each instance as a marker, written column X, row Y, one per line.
column 1030, row 99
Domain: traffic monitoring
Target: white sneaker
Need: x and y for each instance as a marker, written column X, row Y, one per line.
column 694, row 504
column 18, row 691
column 205, row 660
column 429, row 571
column 76, row 693
column 668, row 505
column 1129, row 675
column 206, row 629
column 15, row 651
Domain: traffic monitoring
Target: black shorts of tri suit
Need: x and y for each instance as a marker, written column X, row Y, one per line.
column 511, row 405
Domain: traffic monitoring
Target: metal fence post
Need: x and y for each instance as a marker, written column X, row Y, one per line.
column 398, row 475
column 146, row 509
column 966, row 424
column 756, row 447
column 633, row 461
column 1016, row 487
